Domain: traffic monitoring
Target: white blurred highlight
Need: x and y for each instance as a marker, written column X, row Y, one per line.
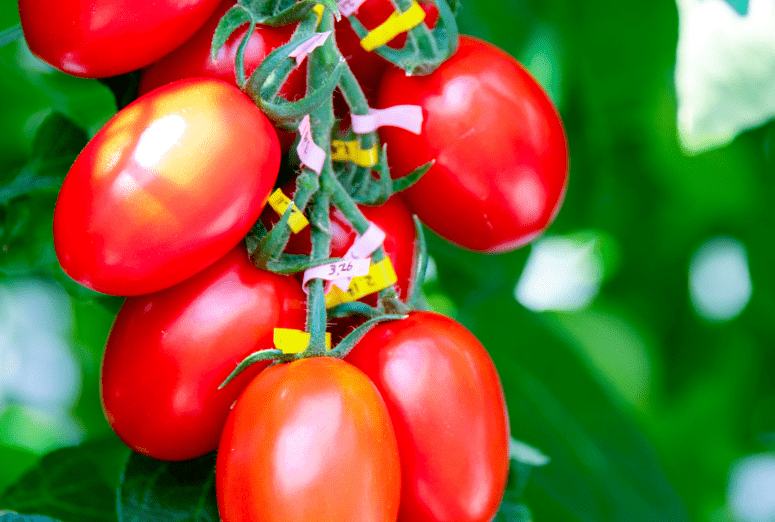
column 720, row 284
column 561, row 274
column 751, row 492
column 40, row 372
column 724, row 73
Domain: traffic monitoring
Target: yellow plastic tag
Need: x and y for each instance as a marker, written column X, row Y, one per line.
column 279, row 202
column 318, row 9
column 352, row 151
column 396, row 24
column 381, row 275
column 288, row 340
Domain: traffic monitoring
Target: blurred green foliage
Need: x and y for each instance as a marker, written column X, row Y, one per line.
column 640, row 403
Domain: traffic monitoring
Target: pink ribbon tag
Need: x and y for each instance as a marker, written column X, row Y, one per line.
column 310, row 154
column 308, row 46
column 407, row 117
column 348, row 268
column 348, row 7
column 361, row 248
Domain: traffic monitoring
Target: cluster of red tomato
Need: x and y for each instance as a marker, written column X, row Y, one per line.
column 412, row 425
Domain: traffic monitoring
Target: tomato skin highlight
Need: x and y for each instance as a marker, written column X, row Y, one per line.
column 169, row 185
column 169, row 351
column 447, row 406
column 192, row 59
column 101, row 38
column 308, row 441
column 501, row 153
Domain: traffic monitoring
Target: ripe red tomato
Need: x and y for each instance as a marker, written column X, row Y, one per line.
column 308, row 441
column 168, row 186
column 368, row 66
column 100, row 38
column 169, row 351
column 446, row 403
column 501, row 154
column 192, row 59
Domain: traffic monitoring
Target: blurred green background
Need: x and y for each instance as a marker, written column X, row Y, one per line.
column 634, row 341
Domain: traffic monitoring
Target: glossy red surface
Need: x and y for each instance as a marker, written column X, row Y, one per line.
column 308, row 441
column 192, row 59
column 446, row 403
column 100, row 38
column 500, row 149
column 168, row 186
column 169, row 351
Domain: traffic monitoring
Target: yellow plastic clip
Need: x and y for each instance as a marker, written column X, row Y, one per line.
column 352, row 151
column 288, row 340
column 318, row 9
column 396, row 24
column 279, row 202
column 381, row 275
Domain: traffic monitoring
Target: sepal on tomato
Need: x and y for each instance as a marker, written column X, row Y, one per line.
column 284, row 12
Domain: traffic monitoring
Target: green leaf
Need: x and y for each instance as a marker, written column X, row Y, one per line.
column 16, row 461
column 230, row 22
column 512, row 512
column 413, row 177
column 601, row 463
column 180, row 491
column 71, row 484
column 124, row 87
column 10, row 35
column 295, row 13
column 56, row 143
column 9, row 516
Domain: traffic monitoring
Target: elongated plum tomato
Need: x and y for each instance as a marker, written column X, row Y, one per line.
column 168, row 186
column 501, row 155
column 100, row 38
column 169, row 351
column 192, row 59
column 446, row 403
column 308, row 441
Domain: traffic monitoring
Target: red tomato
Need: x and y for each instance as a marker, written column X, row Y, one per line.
column 169, row 351
column 368, row 66
column 501, row 154
column 192, row 59
column 446, row 403
column 308, row 441
column 168, row 186
column 99, row 38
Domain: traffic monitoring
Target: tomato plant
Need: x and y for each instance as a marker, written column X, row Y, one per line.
column 169, row 351
column 501, row 157
column 412, row 424
column 446, row 403
column 169, row 185
column 308, row 441
column 100, row 38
